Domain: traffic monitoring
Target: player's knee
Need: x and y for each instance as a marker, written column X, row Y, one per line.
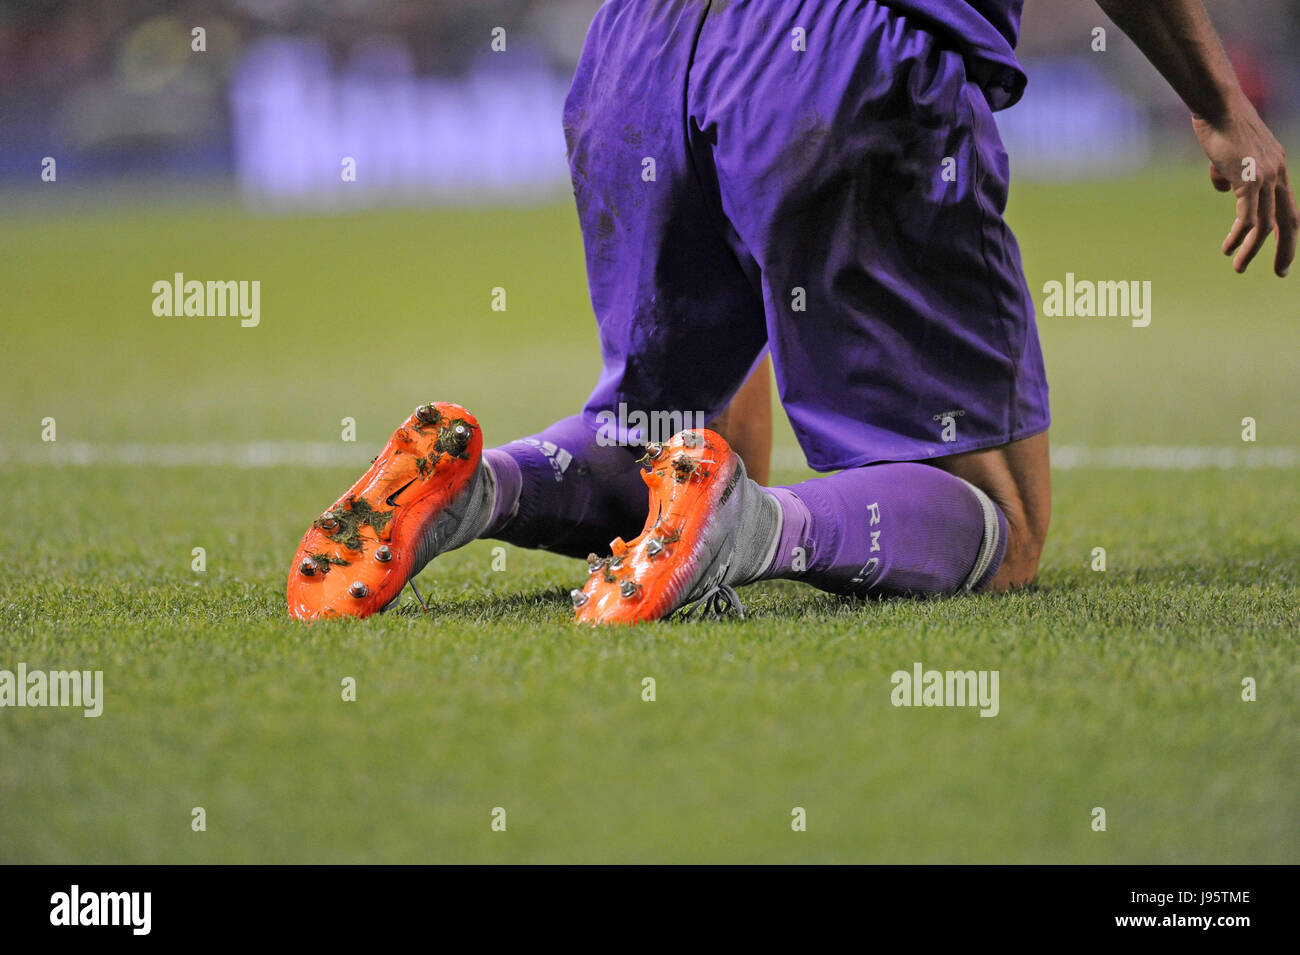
column 1025, row 539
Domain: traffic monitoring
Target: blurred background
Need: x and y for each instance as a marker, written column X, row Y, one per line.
column 214, row 137
column 415, row 94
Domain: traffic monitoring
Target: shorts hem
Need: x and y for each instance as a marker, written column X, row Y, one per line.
column 959, row 447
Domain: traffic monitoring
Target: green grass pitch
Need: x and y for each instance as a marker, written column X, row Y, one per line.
column 1119, row 689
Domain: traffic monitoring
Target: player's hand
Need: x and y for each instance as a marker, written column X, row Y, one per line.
column 1239, row 146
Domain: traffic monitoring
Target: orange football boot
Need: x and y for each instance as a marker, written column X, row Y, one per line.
column 709, row 529
column 355, row 558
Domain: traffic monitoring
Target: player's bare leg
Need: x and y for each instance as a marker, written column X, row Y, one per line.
column 746, row 424
column 1016, row 476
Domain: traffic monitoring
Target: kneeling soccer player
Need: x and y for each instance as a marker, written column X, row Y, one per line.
column 826, row 181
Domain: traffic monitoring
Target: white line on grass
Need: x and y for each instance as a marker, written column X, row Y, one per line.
column 1154, row 457
column 208, row 454
column 300, row 454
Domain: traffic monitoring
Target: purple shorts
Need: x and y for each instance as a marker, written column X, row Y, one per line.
column 823, row 180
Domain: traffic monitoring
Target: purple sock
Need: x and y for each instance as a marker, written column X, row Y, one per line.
column 889, row 529
column 561, row 491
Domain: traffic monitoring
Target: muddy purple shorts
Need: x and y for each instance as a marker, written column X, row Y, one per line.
column 821, row 179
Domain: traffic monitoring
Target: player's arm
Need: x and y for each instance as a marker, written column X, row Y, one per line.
column 1180, row 41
